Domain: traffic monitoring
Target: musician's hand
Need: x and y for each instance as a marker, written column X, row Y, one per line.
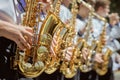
column 54, row 45
column 114, row 18
column 85, row 53
column 98, row 57
column 22, row 36
column 68, row 53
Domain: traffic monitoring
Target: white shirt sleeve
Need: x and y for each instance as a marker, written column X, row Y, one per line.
column 80, row 25
column 97, row 27
column 8, row 7
column 65, row 13
column 115, row 32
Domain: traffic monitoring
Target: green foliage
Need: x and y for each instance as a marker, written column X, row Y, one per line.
column 115, row 6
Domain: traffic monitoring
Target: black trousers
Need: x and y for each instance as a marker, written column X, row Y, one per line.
column 5, row 71
column 109, row 75
column 76, row 77
column 91, row 75
column 54, row 76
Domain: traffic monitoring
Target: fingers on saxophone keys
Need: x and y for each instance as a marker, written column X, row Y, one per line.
column 20, row 45
column 98, row 58
column 85, row 53
column 28, row 34
column 68, row 53
column 23, row 44
column 52, row 51
column 52, row 47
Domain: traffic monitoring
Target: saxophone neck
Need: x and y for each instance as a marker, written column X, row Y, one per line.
column 56, row 7
column 90, row 7
column 88, row 27
column 108, row 52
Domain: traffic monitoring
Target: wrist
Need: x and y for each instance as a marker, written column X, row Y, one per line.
column 1, row 28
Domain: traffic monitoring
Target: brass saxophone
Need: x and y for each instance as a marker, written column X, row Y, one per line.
column 56, row 30
column 29, row 62
column 86, row 65
column 69, row 68
column 86, row 4
column 102, row 68
column 32, row 62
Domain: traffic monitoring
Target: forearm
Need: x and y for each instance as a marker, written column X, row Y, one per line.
column 5, row 22
column 6, row 28
column 3, row 26
column 5, row 17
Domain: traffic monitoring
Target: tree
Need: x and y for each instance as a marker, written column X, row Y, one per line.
column 115, row 6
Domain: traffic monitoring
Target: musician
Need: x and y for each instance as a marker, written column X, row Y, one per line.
column 82, row 19
column 114, row 37
column 56, row 75
column 65, row 15
column 10, row 35
column 114, row 26
column 102, row 9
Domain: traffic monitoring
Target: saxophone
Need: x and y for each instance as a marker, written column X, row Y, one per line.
column 69, row 68
column 32, row 62
column 86, row 65
column 28, row 62
column 57, row 31
column 86, row 4
column 102, row 68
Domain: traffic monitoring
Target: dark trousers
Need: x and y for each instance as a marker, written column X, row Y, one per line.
column 5, row 71
column 91, row 75
column 109, row 75
column 54, row 76
column 76, row 77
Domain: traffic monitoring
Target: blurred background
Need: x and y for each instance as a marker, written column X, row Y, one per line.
column 115, row 6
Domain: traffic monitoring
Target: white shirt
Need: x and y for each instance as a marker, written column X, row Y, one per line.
column 7, row 6
column 115, row 32
column 65, row 13
column 97, row 26
column 97, row 29
column 80, row 25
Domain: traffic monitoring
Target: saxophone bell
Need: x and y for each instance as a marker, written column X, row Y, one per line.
column 58, row 32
